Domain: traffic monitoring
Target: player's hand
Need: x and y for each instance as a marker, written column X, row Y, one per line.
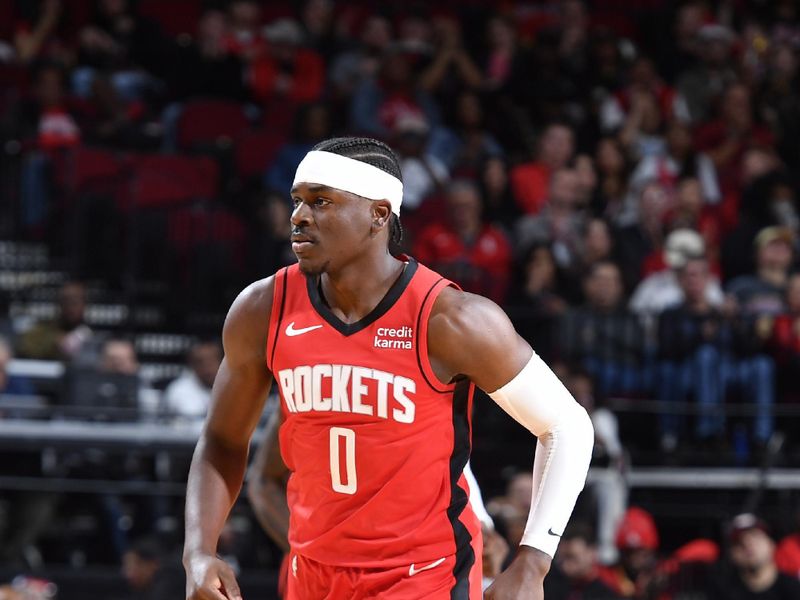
column 210, row 578
column 524, row 578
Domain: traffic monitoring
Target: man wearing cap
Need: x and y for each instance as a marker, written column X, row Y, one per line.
column 762, row 292
column 376, row 358
column 750, row 572
column 637, row 542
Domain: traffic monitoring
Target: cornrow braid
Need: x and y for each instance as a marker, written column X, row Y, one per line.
column 375, row 153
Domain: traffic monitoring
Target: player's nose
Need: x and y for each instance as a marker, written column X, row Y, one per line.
column 301, row 215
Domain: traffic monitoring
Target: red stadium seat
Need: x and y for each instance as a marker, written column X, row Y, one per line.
column 255, row 150
column 170, row 180
column 86, row 169
column 209, row 122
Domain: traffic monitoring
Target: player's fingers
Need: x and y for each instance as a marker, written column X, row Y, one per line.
column 229, row 584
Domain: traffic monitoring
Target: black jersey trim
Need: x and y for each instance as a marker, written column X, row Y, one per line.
column 465, row 554
column 418, row 345
column 394, row 293
column 285, row 280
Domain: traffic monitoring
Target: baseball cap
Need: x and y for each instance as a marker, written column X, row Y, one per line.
column 772, row 234
column 681, row 245
column 745, row 522
column 637, row 530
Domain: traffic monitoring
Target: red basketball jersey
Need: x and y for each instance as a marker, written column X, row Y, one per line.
column 376, row 445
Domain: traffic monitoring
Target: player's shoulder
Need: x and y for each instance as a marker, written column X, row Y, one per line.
column 464, row 317
column 248, row 316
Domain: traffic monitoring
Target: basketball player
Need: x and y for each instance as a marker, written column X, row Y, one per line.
column 376, row 358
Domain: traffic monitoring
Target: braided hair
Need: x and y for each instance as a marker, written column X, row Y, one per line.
column 375, row 153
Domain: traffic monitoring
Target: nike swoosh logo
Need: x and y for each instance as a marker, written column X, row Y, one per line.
column 412, row 571
column 551, row 532
column 291, row 331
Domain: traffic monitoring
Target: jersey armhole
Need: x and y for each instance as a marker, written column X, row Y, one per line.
column 276, row 315
column 422, row 337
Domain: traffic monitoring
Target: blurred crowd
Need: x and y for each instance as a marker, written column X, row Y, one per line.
column 619, row 176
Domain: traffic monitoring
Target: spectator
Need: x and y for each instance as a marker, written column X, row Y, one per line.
column 608, row 486
column 534, row 304
column 726, row 138
column 467, row 250
column 532, row 181
column 206, row 67
column 378, row 105
column 576, row 572
column 705, row 81
column 35, row 34
column 559, row 223
column 619, row 111
column 423, row 174
column 319, row 27
column 468, row 143
column 595, row 245
column 451, row 67
column 661, row 290
column 637, row 541
column 504, row 59
column 691, row 211
column 189, row 395
column 63, row 337
column 678, row 160
column 312, row 124
column 244, row 36
column 787, row 553
column 362, row 63
column 783, row 338
column 510, row 511
column 642, row 233
column 286, row 72
column 763, row 292
column 697, row 346
column 120, row 44
column 12, row 385
column 750, row 571
column 767, row 197
column 613, row 176
column 778, row 105
column 145, row 568
column 605, row 338
column 118, row 356
column 269, row 245
column 494, row 183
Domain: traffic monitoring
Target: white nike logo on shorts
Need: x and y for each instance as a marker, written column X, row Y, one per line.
column 291, row 331
column 413, row 571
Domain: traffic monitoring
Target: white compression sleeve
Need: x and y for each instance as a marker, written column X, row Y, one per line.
column 536, row 399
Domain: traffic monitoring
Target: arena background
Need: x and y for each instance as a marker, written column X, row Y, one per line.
column 620, row 176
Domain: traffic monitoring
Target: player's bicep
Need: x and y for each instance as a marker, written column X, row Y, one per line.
column 237, row 400
column 243, row 380
column 472, row 336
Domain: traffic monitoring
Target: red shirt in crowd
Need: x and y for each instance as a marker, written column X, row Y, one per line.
column 482, row 266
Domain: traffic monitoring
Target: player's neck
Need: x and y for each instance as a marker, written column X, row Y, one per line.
column 355, row 290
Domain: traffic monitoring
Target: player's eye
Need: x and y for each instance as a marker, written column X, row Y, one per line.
column 321, row 202
column 296, row 201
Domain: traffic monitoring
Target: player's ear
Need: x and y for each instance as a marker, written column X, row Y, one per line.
column 381, row 212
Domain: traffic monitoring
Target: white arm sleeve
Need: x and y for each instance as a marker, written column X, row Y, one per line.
column 476, row 498
column 536, row 399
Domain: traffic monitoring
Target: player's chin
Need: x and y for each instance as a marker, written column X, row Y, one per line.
column 308, row 266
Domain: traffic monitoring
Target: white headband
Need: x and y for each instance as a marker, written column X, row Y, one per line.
column 350, row 175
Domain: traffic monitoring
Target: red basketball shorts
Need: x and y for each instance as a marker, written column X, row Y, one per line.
column 438, row 579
